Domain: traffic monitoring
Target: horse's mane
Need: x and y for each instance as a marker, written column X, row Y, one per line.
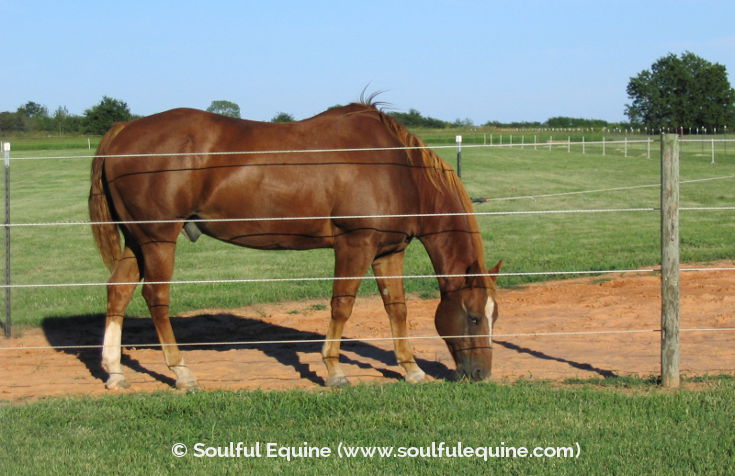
column 439, row 173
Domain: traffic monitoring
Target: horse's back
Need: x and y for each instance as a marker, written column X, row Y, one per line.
column 189, row 166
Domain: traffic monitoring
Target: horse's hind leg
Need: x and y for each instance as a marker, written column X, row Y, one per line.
column 118, row 297
column 352, row 257
column 391, row 290
column 159, row 265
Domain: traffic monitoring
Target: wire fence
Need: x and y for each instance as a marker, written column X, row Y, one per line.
column 568, row 143
column 364, row 339
column 243, row 153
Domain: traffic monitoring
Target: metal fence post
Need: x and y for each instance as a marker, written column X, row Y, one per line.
column 670, row 260
column 459, row 156
column 7, row 325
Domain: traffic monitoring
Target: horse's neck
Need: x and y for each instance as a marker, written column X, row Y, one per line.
column 451, row 244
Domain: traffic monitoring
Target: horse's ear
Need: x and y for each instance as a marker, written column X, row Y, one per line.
column 496, row 270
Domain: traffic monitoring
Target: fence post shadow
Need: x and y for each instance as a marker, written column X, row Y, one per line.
column 541, row 355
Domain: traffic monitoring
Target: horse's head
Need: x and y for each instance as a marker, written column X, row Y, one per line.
column 470, row 313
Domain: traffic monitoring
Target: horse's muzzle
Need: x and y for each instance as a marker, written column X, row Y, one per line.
column 476, row 374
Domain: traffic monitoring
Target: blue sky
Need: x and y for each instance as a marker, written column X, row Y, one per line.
column 482, row 60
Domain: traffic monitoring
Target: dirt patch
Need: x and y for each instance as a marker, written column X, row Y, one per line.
column 618, row 303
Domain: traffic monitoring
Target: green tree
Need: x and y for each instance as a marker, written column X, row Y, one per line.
column 681, row 91
column 282, row 117
column 10, row 121
column 226, row 108
column 32, row 116
column 33, row 109
column 61, row 116
column 98, row 119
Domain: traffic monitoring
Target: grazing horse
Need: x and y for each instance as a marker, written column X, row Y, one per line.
column 182, row 167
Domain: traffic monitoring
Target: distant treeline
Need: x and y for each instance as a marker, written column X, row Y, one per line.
column 559, row 122
column 35, row 118
column 414, row 118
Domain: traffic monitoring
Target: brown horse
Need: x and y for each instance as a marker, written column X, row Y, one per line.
column 200, row 181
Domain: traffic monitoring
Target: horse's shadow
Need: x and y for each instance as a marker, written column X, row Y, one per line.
column 212, row 330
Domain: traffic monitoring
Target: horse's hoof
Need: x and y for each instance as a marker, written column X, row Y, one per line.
column 117, row 382
column 187, row 385
column 416, row 377
column 338, row 382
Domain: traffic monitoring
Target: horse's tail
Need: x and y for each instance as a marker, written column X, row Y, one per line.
column 106, row 233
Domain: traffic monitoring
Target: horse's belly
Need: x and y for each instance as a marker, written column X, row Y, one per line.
column 280, row 242
column 276, row 237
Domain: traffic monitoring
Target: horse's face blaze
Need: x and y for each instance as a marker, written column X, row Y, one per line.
column 468, row 314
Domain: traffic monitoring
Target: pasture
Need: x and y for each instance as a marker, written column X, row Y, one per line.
column 55, row 190
column 622, row 423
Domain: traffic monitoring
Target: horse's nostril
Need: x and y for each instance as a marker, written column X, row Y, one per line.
column 478, row 374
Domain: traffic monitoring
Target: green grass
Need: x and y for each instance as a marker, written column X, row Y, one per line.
column 32, row 142
column 56, row 190
column 636, row 429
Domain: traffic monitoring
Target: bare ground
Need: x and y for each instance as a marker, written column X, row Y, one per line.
column 609, row 303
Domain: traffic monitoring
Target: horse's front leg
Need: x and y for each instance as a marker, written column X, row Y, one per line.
column 394, row 300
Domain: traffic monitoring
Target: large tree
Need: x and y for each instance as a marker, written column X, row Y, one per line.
column 283, row 117
column 98, row 119
column 32, row 116
column 681, row 91
column 226, row 108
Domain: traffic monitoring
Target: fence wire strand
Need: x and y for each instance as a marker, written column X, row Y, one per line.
column 324, row 151
column 364, row 339
column 352, row 278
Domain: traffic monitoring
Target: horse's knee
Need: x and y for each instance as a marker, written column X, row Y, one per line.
column 342, row 307
column 156, row 294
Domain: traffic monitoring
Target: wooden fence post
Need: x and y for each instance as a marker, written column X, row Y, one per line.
column 7, row 325
column 670, row 260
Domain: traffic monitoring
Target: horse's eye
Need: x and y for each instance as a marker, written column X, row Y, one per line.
column 475, row 320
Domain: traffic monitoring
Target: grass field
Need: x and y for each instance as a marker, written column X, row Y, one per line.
column 622, row 425
column 56, row 190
